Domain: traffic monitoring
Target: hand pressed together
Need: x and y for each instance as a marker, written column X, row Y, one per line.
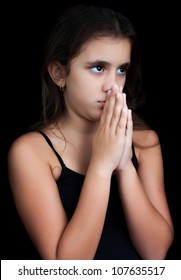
column 113, row 140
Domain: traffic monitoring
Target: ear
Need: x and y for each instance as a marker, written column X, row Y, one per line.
column 56, row 72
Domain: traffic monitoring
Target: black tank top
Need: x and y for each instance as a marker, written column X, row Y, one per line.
column 115, row 243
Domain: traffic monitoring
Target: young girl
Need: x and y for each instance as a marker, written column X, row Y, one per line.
column 88, row 180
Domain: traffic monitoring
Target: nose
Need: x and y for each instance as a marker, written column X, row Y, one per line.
column 112, row 79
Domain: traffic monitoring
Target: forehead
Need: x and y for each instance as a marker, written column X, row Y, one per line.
column 106, row 48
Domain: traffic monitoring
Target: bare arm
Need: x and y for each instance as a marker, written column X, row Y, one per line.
column 144, row 200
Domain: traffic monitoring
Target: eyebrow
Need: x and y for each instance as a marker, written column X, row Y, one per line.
column 103, row 62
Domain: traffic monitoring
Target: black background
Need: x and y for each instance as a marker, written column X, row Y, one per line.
column 23, row 31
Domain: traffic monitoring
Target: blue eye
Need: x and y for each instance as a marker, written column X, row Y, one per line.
column 122, row 71
column 97, row 69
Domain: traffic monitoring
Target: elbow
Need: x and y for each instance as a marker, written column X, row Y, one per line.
column 67, row 253
column 157, row 254
column 159, row 251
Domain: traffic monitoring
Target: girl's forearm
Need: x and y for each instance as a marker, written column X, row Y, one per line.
column 146, row 224
column 82, row 234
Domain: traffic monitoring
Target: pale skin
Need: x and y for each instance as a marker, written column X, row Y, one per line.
column 100, row 124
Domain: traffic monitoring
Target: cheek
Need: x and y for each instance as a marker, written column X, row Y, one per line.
column 122, row 82
column 77, row 81
column 82, row 84
column 76, row 93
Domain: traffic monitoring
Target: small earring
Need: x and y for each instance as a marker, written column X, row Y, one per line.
column 62, row 88
column 62, row 85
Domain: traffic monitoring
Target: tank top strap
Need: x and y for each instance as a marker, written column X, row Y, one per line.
column 51, row 145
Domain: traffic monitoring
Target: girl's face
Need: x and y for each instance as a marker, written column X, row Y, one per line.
column 102, row 63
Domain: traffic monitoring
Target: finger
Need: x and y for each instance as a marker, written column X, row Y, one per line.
column 109, row 111
column 118, row 106
column 104, row 111
column 117, row 111
column 115, row 89
column 122, row 124
column 124, row 100
column 129, row 126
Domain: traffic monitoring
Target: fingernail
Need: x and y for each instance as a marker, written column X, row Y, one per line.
column 115, row 88
column 119, row 95
column 109, row 92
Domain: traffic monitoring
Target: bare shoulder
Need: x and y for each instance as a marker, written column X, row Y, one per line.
column 25, row 151
column 28, row 149
column 146, row 143
column 146, row 138
column 31, row 149
column 26, row 143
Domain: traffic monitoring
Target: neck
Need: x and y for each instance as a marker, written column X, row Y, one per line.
column 79, row 125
